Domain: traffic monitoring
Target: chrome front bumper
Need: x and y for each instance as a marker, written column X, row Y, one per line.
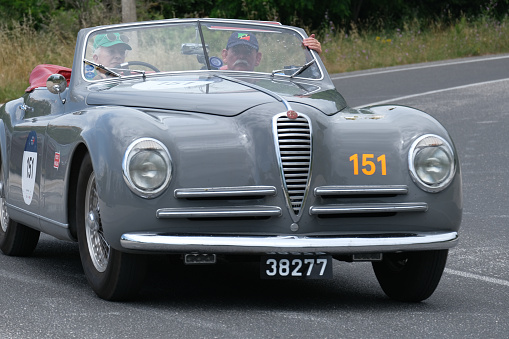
column 265, row 244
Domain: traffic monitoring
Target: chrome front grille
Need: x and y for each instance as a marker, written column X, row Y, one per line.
column 294, row 145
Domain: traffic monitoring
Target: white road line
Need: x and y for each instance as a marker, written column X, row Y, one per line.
column 478, row 277
column 411, row 68
column 393, row 100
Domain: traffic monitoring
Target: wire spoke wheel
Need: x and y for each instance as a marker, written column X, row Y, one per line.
column 15, row 239
column 98, row 248
column 4, row 215
column 112, row 274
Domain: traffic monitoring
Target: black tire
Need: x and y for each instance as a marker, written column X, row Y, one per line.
column 412, row 276
column 15, row 239
column 113, row 275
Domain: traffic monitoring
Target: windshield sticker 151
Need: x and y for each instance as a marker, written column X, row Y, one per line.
column 29, row 167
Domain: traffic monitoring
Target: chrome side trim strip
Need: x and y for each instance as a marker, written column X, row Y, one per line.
column 369, row 208
column 219, row 212
column 37, row 216
column 56, row 223
column 259, row 245
column 220, row 192
column 360, row 190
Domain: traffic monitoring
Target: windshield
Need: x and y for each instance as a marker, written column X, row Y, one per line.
column 193, row 46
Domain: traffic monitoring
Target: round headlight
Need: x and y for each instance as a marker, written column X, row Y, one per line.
column 147, row 167
column 432, row 163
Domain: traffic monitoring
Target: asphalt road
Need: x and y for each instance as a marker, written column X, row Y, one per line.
column 47, row 295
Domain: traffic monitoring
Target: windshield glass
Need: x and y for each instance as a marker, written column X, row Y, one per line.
column 194, row 46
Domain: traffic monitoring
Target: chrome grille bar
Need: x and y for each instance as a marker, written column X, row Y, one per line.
column 368, row 208
column 361, row 190
column 222, row 192
column 219, row 212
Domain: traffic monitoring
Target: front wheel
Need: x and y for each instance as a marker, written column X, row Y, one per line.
column 411, row 276
column 113, row 275
column 15, row 239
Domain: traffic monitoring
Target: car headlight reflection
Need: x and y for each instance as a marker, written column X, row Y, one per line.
column 432, row 163
column 147, row 167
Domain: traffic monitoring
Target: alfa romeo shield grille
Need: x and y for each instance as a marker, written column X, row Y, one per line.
column 293, row 143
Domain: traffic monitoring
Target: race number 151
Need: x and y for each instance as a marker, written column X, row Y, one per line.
column 368, row 164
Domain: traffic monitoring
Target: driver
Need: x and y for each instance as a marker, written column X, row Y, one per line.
column 110, row 50
column 241, row 52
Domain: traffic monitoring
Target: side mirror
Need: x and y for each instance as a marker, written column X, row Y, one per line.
column 56, row 83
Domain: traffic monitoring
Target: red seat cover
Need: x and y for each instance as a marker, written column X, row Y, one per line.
column 40, row 75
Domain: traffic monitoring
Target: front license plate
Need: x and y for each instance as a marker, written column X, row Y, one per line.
column 296, row 267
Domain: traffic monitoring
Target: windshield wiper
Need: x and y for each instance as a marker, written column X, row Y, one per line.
column 101, row 67
column 303, row 68
column 297, row 72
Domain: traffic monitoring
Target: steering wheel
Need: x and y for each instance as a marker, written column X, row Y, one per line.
column 141, row 63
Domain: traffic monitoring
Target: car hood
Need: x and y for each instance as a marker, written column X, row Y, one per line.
column 212, row 94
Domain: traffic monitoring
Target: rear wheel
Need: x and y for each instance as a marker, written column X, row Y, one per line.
column 113, row 275
column 15, row 239
column 411, row 276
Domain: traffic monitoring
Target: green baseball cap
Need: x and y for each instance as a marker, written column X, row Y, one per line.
column 111, row 39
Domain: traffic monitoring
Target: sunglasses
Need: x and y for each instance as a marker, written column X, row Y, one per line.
column 237, row 50
column 114, row 37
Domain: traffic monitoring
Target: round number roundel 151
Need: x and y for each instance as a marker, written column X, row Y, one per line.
column 29, row 167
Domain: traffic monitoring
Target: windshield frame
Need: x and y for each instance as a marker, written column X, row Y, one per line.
column 225, row 24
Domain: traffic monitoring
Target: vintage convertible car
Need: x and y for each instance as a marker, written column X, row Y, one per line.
column 179, row 150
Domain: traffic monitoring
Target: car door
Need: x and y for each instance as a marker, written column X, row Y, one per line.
column 27, row 155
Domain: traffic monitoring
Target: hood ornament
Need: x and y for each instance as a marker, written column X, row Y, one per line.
column 291, row 114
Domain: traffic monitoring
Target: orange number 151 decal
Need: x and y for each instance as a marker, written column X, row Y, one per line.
column 369, row 167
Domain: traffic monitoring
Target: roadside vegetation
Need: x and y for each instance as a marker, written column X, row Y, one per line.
column 27, row 43
column 22, row 49
column 414, row 42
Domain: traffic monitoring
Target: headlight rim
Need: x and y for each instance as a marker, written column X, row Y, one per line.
column 413, row 171
column 128, row 155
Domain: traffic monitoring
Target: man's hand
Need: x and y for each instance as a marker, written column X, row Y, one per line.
column 313, row 44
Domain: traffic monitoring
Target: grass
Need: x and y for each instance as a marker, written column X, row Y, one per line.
column 357, row 50
column 22, row 49
column 343, row 51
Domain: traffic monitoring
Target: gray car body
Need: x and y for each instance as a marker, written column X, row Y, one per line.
column 226, row 164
